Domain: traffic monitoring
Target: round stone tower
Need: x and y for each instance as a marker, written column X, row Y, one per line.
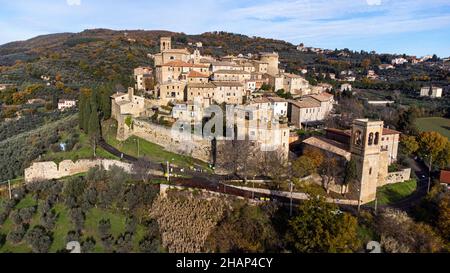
column 273, row 60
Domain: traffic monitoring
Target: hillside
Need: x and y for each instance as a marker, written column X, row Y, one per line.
column 106, row 56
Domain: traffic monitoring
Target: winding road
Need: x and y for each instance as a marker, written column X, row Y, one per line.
column 212, row 182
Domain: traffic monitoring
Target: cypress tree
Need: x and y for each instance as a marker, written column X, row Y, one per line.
column 81, row 116
column 94, row 121
column 87, row 115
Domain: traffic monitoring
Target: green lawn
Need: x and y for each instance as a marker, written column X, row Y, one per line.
column 118, row 226
column 63, row 226
column 26, row 202
column 147, row 149
column 441, row 125
column 393, row 193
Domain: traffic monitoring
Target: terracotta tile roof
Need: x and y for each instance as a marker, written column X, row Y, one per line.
column 329, row 146
column 387, row 131
column 178, row 63
column 276, row 99
column 324, row 97
column 290, row 75
column 339, row 132
column 261, row 100
column 232, row 72
column 221, row 63
column 177, row 50
column 195, row 74
column 201, row 85
column 445, row 177
column 305, row 103
column 207, row 60
column 228, row 84
column 200, row 65
column 268, row 100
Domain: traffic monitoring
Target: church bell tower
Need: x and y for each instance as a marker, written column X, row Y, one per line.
column 365, row 148
column 165, row 43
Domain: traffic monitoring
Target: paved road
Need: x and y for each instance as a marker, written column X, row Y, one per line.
column 198, row 173
column 211, row 182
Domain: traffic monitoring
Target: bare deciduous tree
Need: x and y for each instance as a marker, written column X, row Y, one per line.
column 142, row 169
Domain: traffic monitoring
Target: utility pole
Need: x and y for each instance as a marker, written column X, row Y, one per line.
column 168, row 172
column 291, row 186
column 138, row 148
column 292, row 189
column 429, row 174
column 253, row 190
column 376, row 205
column 9, row 188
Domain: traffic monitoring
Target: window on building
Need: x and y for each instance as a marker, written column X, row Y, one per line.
column 377, row 138
column 358, row 138
column 371, row 138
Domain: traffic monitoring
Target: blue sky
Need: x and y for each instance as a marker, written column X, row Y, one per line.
column 417, row 27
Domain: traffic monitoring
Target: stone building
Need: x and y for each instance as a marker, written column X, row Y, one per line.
column 431, row 91
column 346, row 87
column 205, row 91
column 231, row 75
column 224, row 65
column 295, row 84
column 127, row 104
column 141, row 75
column 172, row 91
column 197, row 77
column 66, row 104
column 272, row 60
column 178, row 70
column 372, row 147
column 229, row 92
column 169, row 54
column 310, row 110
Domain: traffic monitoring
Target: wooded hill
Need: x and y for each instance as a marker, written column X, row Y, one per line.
column 106, row 55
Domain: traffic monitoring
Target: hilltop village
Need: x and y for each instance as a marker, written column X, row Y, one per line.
column 183, row 85
column 155, row 141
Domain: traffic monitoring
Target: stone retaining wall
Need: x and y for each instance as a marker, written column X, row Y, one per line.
column 398, row 177
column 39, row 171
column 171, row 140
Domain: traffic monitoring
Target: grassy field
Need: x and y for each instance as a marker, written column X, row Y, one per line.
column 393, row 193
column 404, row 99
column 64, row 225
column 146, row 149
column 441, row 125
column 83, row 152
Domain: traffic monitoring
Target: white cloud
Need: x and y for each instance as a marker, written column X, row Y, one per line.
column 73, row 2
column 373, row 2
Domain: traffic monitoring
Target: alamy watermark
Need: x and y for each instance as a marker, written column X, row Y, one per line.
column 243, row 122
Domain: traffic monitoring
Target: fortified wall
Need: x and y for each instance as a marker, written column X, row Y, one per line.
column 173, row 141
column 398, row 177
column 39, row 171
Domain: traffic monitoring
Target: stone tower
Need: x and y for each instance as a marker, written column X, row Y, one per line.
column 130, row 93
column 365, row 149
column 165, row 43
column 273, row 60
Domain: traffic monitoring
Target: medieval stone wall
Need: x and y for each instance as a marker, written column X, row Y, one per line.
column 39, row 171
column 398, row 177
column 171, row 140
